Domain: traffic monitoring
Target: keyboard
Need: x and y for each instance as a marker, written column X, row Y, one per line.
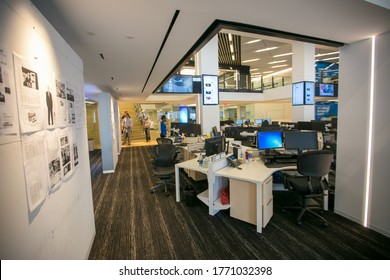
column 285, row 160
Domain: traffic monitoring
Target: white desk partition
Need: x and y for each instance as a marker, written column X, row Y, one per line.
column 211, row 197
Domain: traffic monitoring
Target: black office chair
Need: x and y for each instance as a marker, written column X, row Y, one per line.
column 164, row 141
column 309, row 181
column 164, row 166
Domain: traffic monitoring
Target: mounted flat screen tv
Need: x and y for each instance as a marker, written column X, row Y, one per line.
column 210, row 90
column 179, row 84
column 303, row 93
column 183, row 114
column 326, row 90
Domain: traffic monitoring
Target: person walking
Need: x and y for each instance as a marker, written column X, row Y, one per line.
column 127, row 123
column 147, row 129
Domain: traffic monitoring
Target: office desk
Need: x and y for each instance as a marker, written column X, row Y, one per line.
column 211, row 197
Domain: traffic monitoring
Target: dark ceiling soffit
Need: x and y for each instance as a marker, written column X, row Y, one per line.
column 218, row 25
column 162, row 46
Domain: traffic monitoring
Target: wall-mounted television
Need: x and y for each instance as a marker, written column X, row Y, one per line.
column 327, row 90
column 179, row 84
column 210, row 90
column 183, row 114
column 303, row 93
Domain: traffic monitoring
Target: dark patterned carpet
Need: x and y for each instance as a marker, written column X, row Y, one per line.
column 131, row 223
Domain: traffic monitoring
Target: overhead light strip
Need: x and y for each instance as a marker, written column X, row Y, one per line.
column 162, row 46
column 370, row 135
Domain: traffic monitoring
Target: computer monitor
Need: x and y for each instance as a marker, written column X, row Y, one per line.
column 214, row 145
column 258, row 121
column 215, row 131
column 239, row 122
column 301, row 125
column 300, row 140
column 268, row 140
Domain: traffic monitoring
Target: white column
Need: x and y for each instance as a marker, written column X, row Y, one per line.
column 303, row 65
column 206, row 62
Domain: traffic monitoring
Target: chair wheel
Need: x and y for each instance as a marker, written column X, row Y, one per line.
column 299, row 222
column 325, row 225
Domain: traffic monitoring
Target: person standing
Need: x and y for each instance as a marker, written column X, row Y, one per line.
column 49, row 103
column 127, row 123
column 147, row 129
column 163, row 127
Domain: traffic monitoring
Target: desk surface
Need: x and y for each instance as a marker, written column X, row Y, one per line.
column 253, row 172
column 192, row 164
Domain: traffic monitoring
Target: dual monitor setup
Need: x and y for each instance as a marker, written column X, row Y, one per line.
column 270, row 140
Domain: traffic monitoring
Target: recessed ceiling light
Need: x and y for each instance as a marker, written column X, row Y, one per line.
column 253, row 41
column 277, row 61
column 283, row 54
column 324, row 54
column 266, row 49
column 251, row 60
column 278, row 66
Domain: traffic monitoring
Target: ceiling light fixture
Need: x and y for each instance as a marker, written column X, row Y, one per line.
column 330, row 58
column 266, row 49
column 325, row 54
column 231, row 48
column 277, row 61
column 279, row 66
column 230, row 37
column 251, row 60
column 233, row 57
column 254, row 69
column 283, row 54
column 253, row 41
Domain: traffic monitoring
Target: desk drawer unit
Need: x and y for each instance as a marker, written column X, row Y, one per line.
column 243, row 201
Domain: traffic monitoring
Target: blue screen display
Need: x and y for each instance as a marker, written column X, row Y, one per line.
column 269, row 140
column 183, row 114
column 239, row 122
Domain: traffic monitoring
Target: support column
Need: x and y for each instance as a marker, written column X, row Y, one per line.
column 303, row 65
column 206, row 62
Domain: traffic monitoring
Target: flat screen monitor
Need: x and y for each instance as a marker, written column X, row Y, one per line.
column 183, row 114
column 210, row 90
column 258, row 121
column 303, row 93
column 300, row 140
column 178, row 84
column 297, row 93
column 326, row 90
column 301, row 125
column 309, row 93
column 239, row 122
column 318, row 126
column 214, row 145
column 267, row 140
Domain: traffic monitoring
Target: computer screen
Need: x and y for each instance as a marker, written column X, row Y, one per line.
column 240, row 122
column 267, row 140
column 258, row 121
column 214, row 145
column 300, row 140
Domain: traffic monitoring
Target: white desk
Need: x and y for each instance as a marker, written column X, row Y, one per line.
column 211, row 197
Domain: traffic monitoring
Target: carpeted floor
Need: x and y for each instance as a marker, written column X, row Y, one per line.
column 131, row 223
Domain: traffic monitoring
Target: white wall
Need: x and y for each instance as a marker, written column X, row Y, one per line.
column 353, row 130
column 62, row 227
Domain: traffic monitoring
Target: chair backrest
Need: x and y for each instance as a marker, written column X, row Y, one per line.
column 165, row 155
column 164, row 141
column 315, row 163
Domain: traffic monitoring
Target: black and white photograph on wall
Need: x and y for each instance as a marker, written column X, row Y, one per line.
column 54, row 172
column 30, row 78
column 28, row 96
column 65, row 155
column 2, row 97
column 61, row 104
column 64, row 140
column 50, row 108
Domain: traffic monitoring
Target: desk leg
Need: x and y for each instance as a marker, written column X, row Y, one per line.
column 177, row 181
column 259, row 206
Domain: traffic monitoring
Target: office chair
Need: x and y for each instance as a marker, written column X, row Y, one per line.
column 164, row 166
column 164, row 140
column 309, row 181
